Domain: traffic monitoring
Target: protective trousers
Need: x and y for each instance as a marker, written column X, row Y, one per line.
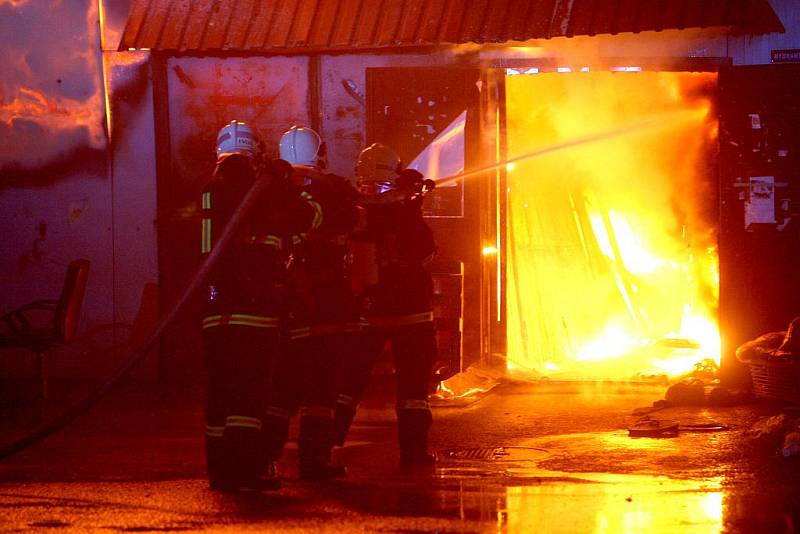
column 414, row 352
column 241, row 352
column 306, row 382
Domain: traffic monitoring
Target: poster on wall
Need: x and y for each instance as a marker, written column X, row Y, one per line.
column 421, row 113
column 760, row 205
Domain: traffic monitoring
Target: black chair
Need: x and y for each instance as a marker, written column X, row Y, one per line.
column 41, row 325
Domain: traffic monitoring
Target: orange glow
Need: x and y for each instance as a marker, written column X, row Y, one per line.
column 617, row 503
column 106, row 96
column 53, row 112
column 612, row 263
column 525, row 51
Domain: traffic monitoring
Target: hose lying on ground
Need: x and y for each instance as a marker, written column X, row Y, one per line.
column 51, row 427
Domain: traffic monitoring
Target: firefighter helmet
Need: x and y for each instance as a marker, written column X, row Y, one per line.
column 300, row 146
column 377, row 168
column 237, row 138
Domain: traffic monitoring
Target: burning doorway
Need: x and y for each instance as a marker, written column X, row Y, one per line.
column 610, row 233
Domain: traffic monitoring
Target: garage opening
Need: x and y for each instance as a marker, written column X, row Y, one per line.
column 611, row 257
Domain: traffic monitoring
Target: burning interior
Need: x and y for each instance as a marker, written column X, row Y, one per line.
column 599, row 220
column 611, row 243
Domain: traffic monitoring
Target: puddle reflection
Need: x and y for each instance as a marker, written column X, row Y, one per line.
column 615, row 503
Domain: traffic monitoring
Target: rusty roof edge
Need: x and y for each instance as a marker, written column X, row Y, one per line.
column 757, row 17
column 128, row 41
column 293, row 51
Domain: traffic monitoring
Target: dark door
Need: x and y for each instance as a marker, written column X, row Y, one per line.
column 759, row 244
column 408, row 108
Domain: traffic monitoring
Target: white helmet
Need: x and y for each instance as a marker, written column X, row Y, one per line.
column 377, row 168
column 237, row 138
column 300, row 146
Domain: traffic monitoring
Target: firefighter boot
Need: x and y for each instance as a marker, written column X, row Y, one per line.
column 343, row 416
column 215, row 459
column 412, row 428
column 314, row 444
column 275, row 434
column 245, row 460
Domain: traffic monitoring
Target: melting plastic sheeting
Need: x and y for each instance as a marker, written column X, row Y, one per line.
column 445, row 155
column 611, row 260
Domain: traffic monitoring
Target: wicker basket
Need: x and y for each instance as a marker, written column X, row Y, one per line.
column 776, row 379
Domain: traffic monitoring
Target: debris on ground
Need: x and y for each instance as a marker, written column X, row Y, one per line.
column 706, row 370
column 703, row 427
column 699, row 387
column 653, row 428
column 646, row 427
column 688, row 391
column 718, row 396
column 791, row 444
column 696, row 387
column 768, row 431
column 465, row 387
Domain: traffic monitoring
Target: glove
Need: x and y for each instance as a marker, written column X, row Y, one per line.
column 411, row 180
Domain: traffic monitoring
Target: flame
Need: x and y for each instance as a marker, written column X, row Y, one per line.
column 612, row 265
column 613, row 341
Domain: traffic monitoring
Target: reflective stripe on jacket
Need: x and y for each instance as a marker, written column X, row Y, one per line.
column 240, row 319
column 400, row 320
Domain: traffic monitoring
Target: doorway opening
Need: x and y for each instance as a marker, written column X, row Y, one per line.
column 611, row 262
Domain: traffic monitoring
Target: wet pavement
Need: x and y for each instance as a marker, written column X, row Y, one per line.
column 526, row 457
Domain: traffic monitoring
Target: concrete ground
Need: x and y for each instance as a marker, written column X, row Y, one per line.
column 525, row 457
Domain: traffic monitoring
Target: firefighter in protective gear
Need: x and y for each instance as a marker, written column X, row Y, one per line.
column 324, row 316
column 377, row 169
column 397, row 307
column 302, row 146
column 244, row 302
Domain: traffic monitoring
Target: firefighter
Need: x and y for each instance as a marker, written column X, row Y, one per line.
column 244, row 301
column 396, row 300
column 324, row 316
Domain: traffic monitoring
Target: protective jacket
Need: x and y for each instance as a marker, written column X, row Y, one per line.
column 404, row 242
column 265, row 238
column 245, row 304
column 323, row 316
column 397, row 309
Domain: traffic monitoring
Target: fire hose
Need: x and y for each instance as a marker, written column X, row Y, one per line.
column 420, row 188
column 58, row 423
column 48, row 428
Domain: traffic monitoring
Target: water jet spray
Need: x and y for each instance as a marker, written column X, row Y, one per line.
column 662, row 120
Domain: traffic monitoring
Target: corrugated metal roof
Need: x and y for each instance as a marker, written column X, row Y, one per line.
column 298, row 26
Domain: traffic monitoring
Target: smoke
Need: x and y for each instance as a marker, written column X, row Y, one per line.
column 116, row 14
column 51, row 97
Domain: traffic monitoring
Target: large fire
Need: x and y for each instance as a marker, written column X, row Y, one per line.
column 612, row 263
